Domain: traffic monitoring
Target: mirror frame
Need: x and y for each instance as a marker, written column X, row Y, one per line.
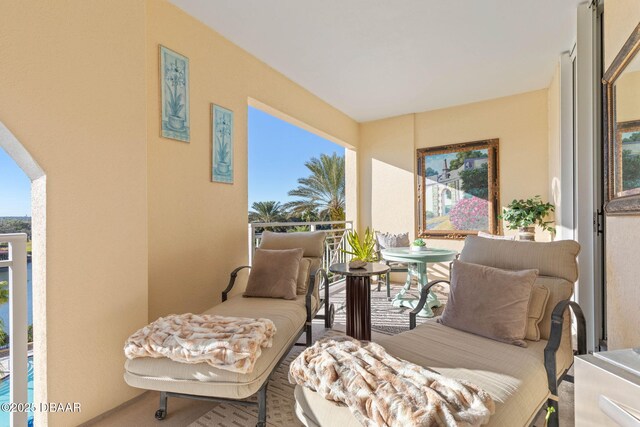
column 618, row 202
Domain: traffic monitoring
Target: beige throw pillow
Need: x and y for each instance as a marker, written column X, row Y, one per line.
column 303, row 276
column 489, row 302
column 537, row 304
column 274, row 273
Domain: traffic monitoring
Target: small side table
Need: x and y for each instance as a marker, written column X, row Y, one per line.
column 359, row 296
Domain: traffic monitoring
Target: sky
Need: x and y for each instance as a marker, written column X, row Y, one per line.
column 277, row 153
column 15, row 188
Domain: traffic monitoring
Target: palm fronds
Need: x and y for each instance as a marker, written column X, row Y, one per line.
column 324, row 190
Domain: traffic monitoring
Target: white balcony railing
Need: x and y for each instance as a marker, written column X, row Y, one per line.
column 334, row 244
column 17, row 263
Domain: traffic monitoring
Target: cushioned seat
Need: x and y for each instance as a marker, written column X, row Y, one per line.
column 514, row 376
column 517, row 378
column 163, row 374
column 291, row 317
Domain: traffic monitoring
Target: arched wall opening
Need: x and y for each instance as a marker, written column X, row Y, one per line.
column 10, row 144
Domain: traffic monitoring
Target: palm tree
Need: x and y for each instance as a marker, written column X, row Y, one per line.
column 269, row 211
column 323, row 190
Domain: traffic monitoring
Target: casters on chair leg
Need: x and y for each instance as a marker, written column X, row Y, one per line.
column 161, row 413
column 331, row 316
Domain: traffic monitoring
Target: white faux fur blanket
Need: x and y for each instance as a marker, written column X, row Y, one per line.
column 229, row 343
column 381, row 390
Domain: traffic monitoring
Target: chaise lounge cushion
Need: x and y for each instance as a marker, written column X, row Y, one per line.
column 274, row 273
column 537, row 305
column 514, row 376
column 303, row 276
column 489, row 301
column 556, row 259
column 312, row 245
column 163, row 374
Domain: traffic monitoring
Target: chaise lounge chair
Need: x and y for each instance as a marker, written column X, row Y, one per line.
column 292, row 318
column 520, row 380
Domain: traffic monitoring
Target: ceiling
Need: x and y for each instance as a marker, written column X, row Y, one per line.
column 380, row 58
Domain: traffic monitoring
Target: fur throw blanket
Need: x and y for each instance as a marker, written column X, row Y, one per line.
column 229, row 343
column 381, row 390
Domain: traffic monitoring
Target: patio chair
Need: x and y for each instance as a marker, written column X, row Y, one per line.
column 388, row 240
column 521, row 380
column 292, row 318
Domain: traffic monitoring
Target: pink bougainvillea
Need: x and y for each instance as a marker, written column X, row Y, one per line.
column 470, row 214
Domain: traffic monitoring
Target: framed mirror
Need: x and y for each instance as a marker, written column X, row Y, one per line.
column 457, row 190
column 621, row 93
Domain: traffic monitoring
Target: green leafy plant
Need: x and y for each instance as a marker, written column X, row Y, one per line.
column 527, row 213
column 362, row 250
column 419, row 242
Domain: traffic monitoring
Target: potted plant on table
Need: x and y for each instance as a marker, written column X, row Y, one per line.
column 524, row 215
column 363, row 251
column 419, row 245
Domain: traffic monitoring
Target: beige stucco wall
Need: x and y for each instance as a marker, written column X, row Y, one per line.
column 72, row 90
column 198, row 229
column 623, row 235
column 387, row 174
column 134, row 226
column 387, row 149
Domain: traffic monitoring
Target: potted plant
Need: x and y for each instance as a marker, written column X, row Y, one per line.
column 363, row 251
column 524, row 215
column 419, row 245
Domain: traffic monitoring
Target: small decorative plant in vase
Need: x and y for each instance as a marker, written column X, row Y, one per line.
column 419, row 245
column 524, row 215
column 363, row 251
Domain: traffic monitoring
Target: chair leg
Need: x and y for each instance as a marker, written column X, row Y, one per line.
column 379, row 284
column 262, row 406
column 309, row 333
column 161, row 413
column 387, row 280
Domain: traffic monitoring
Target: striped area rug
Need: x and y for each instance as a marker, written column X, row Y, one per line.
column 385, row 318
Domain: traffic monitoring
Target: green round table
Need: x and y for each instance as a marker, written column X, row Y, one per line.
column 417, row 262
